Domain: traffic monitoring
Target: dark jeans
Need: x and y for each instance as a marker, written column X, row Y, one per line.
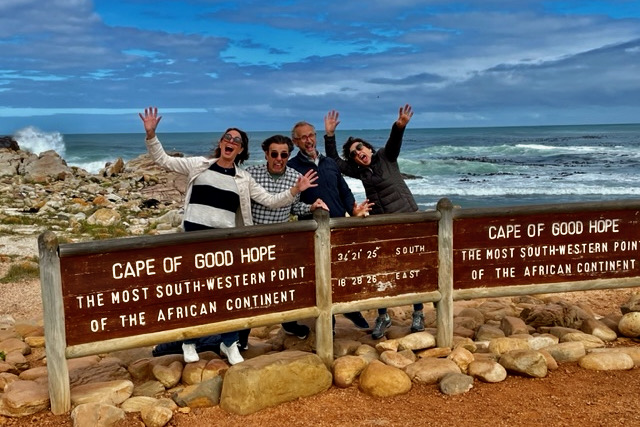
column 416, row 307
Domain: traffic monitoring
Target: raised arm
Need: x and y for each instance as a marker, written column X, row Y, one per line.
column 331, row 122
column 394, row 143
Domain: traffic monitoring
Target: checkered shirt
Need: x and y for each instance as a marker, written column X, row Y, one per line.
column 264, row 215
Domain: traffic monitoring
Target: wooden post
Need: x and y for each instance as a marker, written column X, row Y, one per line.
column 54, row 324
column 444, row 307
column 324, row 323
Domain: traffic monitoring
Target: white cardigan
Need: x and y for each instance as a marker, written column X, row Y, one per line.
column 248, row 188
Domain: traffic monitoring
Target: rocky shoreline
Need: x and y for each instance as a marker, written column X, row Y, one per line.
column 525, row 336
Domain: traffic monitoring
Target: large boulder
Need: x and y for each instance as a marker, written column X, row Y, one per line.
column 48, row 166
column 272, row 379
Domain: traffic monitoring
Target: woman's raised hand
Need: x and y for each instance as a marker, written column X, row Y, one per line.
column 150, row 121
column 404, row 115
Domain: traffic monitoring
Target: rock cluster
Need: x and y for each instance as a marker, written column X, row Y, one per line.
column 43, row 191
column 491, row 342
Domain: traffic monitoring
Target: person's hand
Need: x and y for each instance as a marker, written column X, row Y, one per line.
column 362, row 209
column 305, row 181
column 319, row 204
column 150, row 121
column 331, row 122
column 404, row 115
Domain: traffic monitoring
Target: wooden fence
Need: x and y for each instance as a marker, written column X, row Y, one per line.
column 124, row 293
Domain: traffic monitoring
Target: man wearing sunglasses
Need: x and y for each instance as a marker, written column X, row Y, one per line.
column 275, row 177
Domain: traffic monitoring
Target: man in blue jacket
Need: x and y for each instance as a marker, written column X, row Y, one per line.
column 331, row 186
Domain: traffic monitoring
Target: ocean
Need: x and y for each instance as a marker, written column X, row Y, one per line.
column 473, row 167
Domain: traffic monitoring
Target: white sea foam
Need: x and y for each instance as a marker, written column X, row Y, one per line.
column 37, row 141
column 541, row 147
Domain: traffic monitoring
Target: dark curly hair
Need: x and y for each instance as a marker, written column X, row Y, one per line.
column 241, row 157
column 277, row 139
column 346, row 152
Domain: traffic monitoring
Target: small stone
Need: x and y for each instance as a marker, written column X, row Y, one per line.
column 452, row 384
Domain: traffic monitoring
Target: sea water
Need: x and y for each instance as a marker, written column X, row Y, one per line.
column 473, row 167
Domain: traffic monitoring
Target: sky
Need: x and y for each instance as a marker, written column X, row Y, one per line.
column 81, row 66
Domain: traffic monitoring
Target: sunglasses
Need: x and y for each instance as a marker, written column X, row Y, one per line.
column 274, row 155
column 354, row 152
column 235, row 139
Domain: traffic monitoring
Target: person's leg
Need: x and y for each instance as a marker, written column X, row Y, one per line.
column 294, row 328
column 383, row 321
column 417, row 322
column 229, row 347
column 358, row 319
column 173, row 347
column 243, row 339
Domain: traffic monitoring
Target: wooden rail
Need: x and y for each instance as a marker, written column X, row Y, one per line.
column 115, row 294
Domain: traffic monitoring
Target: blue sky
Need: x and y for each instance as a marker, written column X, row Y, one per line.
column 80, row 66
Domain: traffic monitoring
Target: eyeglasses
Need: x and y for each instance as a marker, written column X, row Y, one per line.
column 274, row 155
column 305, row 138
column 229, row 138
column 354, row 152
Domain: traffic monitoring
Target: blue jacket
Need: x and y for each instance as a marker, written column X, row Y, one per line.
column 332, row 188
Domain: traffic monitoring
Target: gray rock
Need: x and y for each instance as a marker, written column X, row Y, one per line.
column 566, row 351
column 452, row 384
column 632, row 304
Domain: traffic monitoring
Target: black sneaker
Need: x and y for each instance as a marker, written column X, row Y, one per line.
column 417, row 324
column 294, row 328
column 382, row 323
column 357, row 319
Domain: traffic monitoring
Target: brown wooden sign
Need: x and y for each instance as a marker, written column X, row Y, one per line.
column 545, row 248
column 138, row 291
column 384, row 260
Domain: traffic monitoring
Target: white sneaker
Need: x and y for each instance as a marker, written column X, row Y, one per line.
column 232, row 353
column 189, row 353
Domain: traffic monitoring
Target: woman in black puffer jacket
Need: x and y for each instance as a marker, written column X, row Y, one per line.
column 382, row 181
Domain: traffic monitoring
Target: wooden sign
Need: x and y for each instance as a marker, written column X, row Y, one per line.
column 384, row 260
column 545, row 248
column 138, row 291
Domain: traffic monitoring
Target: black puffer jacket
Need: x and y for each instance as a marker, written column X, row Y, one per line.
column 382, row 180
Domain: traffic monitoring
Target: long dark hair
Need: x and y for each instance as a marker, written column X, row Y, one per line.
column 242, row 156
column 346, row 152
